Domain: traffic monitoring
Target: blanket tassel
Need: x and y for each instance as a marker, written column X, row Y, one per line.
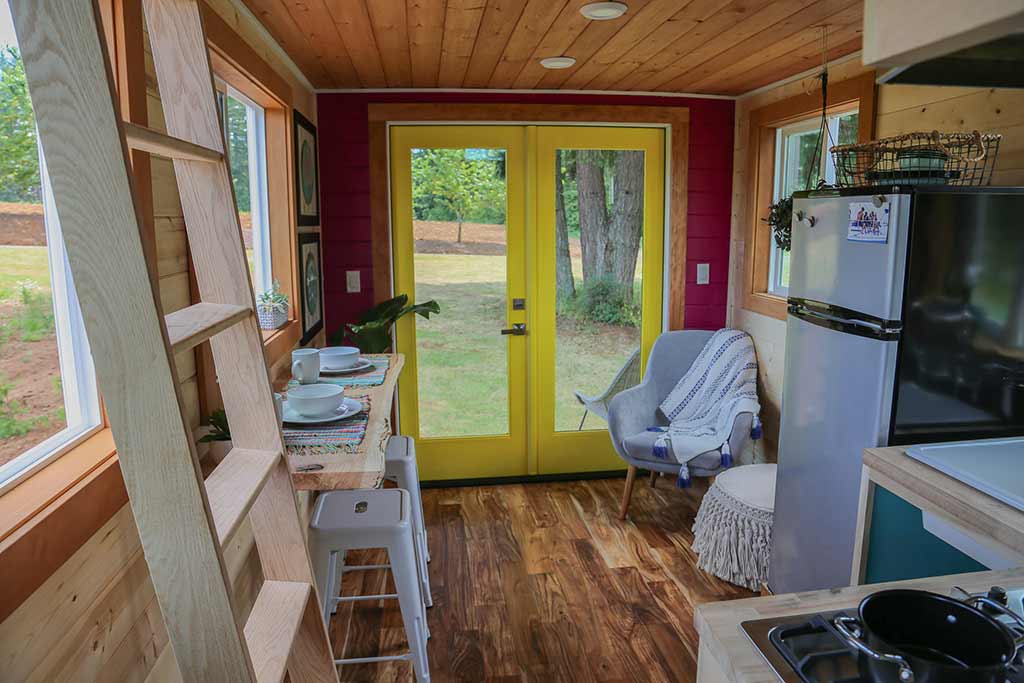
column 756, row 430
column 726, row 455
column 683, row 480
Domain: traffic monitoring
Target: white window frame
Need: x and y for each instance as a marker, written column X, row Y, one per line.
column 256, row 126
column 782, row 135
column 78, row 376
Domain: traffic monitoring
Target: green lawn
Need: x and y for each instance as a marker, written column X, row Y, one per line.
column 462, row 357
column 22, row 263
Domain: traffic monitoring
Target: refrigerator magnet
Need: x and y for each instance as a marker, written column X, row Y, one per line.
column 868, row 223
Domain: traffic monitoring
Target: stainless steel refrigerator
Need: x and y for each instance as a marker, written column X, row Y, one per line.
column 905, row 325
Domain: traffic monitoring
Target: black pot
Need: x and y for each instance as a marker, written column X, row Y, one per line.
column 910, row 636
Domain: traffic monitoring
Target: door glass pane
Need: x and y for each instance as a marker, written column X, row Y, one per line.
column 599, row 217
column 458, row 198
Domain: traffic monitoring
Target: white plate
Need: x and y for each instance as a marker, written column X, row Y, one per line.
column 361, row 364
column 349, row 407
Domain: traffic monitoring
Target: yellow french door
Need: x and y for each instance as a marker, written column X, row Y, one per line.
column 581, row 341
column 462, row 394
column 495, row 222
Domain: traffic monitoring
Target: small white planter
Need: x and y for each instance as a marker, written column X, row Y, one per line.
column 271, row 319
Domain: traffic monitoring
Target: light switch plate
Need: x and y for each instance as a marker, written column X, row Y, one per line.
column 352, row 285
column 703, row 273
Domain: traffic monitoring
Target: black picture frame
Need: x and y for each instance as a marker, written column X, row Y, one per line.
column 311, row 296
column 307, row 196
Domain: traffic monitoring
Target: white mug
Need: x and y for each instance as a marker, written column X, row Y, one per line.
column 306, row 365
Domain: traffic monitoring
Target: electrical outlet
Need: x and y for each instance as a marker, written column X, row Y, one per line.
column 352, row 285
column 703, row 273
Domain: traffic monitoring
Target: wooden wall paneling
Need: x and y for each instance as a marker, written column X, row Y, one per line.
column 679, row 167
column 356, row 31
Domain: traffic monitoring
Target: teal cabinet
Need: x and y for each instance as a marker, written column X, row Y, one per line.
column 900, row 547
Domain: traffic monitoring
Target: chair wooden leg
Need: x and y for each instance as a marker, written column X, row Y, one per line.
column 654, row 477
column 627, row 494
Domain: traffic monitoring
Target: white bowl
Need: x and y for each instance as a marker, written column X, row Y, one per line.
column 339, row 357
column 316, row 400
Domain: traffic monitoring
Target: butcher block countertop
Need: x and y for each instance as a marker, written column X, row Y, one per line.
column 726, row 655
column 930, row 490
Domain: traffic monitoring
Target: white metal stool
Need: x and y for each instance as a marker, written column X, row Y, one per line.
column 376, row 518
column 400, row 467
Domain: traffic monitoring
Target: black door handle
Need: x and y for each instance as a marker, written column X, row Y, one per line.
column 517, row 330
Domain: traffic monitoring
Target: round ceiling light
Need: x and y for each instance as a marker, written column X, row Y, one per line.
column 602, row 11
column 557, row 62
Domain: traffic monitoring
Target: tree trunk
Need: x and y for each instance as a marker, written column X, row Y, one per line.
column 565, row 287
column 593, row 212
column 625, row 225
column 458, row 239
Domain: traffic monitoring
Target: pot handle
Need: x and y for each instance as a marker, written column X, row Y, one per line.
column 979, row 600
column 849, row 628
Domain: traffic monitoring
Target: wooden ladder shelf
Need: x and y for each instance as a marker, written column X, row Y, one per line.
column 183, row 521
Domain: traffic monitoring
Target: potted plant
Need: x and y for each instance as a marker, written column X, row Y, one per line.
column 780, row 220
column 219, row 436
column 372, row 334
column 272, row 308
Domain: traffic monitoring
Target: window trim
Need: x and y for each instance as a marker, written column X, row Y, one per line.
column 764, row 123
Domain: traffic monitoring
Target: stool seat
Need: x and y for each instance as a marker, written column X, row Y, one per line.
column 732, row 533
column 375, row 509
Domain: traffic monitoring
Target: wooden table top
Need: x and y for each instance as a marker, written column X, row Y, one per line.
column 718, row 623
column 363, row 469
column 927, row 488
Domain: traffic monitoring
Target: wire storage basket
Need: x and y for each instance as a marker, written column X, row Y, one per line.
column 918, row 159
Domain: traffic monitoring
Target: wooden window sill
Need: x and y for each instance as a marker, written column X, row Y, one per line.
column 766, row 304
column 278, row 343
column 44, row 519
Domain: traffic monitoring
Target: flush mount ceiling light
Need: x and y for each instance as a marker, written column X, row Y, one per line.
column 602, row 11
column 557, row 62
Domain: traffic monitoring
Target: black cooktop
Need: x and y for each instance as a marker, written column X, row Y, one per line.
column 807, row 649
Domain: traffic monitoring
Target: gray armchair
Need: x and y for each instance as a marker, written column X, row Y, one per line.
column 632, row 411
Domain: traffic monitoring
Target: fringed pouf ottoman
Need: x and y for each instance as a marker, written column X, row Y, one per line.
column 733, row 530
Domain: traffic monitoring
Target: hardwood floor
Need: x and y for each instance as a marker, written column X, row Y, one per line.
column 542, row 582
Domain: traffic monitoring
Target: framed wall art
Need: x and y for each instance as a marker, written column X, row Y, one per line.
column 307, row 194
column 310, row 276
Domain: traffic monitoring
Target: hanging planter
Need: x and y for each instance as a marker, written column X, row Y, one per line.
column 780, row 220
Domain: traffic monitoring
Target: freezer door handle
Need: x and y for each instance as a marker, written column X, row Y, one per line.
column 859, row 326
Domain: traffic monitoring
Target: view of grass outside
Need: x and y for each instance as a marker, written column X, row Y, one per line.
column 459, row 261
column 31, row 397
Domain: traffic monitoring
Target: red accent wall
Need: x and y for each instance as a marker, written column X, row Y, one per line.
column 345, row 192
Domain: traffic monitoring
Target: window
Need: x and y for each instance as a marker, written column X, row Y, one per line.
column 799, row 156
column 48, row 395
column 244, row 124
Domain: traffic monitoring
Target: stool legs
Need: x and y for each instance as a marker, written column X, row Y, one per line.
column 406, row 573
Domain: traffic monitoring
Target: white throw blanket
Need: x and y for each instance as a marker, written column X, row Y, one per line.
column 701, row 409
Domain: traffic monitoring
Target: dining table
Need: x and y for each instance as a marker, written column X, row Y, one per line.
column 334, row 457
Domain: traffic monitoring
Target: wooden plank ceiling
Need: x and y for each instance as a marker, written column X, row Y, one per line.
column 724, row 47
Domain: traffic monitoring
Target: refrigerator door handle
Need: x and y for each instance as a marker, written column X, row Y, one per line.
column 857, row 326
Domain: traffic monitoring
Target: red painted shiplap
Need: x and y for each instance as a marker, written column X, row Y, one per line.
column 345, row 192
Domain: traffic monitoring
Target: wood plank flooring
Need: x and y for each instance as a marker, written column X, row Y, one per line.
column 542, row 582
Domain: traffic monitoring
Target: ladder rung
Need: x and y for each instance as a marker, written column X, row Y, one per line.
column 233, row 487
column 191, row 326
column 273, row 625
column 155, row 142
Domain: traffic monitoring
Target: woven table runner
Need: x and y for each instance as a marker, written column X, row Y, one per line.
column 371, row 377
column 343, row 436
